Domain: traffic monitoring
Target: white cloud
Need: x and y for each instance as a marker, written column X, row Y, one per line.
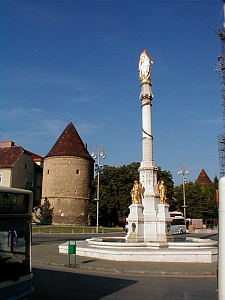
column 52, row 127
column 33, row 83
column 212, row 121
column 176, row 109
column 15, row 113
column 26, row 77
column 86, row 129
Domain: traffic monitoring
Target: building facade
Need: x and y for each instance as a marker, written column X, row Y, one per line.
column 20, row 168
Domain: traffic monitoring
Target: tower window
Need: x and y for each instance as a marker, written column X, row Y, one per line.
column 25, row 166
column 77, row 171
column 48, row 171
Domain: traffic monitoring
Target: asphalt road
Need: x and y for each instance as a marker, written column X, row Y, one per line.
column 51, row 238
column 63, row 283
column 56, row 282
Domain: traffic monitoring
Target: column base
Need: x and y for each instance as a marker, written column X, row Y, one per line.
column 135, row 224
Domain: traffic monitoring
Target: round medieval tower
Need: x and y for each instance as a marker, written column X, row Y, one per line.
column 67, row 174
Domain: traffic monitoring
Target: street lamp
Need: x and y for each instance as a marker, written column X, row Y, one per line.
column 183, row 171
column 97, row 153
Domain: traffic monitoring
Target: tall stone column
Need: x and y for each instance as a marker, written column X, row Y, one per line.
column 149, row 218
column 148, row 169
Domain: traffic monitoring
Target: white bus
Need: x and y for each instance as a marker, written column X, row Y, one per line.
column 15, row 243
column 178, row 224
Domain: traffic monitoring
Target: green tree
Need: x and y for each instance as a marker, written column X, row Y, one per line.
column 28, row 185
column 199, row 198
column 216, row 182
column 114, row 196
column 43, row 213
column 167, row 177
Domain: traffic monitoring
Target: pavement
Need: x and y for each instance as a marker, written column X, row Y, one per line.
column 48, row 254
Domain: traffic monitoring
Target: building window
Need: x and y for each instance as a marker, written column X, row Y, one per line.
column 48, row 172
column 77, row 171
column 1, row 177
column 24, row 181
column 25, row 166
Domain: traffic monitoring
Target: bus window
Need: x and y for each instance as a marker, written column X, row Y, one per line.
column 14, row 249
column 14, row 203
column 15, row 243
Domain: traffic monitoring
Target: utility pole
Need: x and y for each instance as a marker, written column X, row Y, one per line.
column 97, row 153
column 183, row 171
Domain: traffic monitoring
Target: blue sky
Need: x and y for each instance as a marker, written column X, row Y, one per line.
column 63, row 60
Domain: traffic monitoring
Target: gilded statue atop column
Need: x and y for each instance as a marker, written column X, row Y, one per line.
column 144, row 66
column 162, row 191
column 136, row 192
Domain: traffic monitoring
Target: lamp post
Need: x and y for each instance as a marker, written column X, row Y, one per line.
column 97, row 153
column 183, row 171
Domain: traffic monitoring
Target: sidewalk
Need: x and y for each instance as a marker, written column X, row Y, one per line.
column 48, row 254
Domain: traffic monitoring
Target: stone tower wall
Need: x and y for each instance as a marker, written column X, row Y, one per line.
column 66, row 185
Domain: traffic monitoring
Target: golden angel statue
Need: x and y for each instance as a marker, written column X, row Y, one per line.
column 136, row 192
column 162, row 191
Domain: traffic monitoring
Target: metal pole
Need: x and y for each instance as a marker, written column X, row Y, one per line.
column 184, row 197
column 224, row 15
column 99, row 151
column 183, row 171
column 98, row 192
column 221, row 239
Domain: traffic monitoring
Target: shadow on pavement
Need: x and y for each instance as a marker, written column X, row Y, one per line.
column 51, row 284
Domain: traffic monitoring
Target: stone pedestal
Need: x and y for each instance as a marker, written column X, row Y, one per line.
column 135, row 224
column 163, row 223
column 157, row 227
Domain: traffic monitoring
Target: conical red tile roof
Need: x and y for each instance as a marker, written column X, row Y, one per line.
column 69, row 144
column 203, row 178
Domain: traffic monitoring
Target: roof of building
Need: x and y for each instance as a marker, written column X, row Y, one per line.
column 35, row 157
column 10, row 155
column 69, row 144
column 203, row 178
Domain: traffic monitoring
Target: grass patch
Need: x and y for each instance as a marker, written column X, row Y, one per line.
column 73, row 229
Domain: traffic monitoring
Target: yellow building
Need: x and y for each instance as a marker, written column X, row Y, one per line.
column 20, row 168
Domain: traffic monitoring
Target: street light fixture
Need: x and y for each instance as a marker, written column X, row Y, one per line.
column 183, row 171
column 97, row 153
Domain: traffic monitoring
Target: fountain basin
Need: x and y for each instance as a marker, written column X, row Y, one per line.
column 192, row 250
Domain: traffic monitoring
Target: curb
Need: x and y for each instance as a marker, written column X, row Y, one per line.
column 81, row 266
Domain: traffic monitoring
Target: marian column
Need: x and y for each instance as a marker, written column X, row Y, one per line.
column 149, row 218
column 148, row 169
column 155, row 210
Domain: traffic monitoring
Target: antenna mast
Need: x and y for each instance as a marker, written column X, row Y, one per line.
column 220, row 69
